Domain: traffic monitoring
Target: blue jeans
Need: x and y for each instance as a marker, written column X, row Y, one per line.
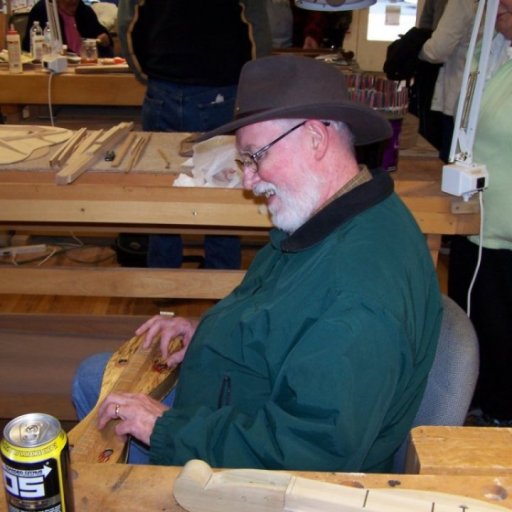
column 85, row 393
column 168, row 107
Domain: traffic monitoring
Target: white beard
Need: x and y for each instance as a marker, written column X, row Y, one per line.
column 290, row 211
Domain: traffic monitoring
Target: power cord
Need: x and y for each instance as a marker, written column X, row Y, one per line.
column 39, row 260
column 50, row 107
column 480, row 248
column 58, row 248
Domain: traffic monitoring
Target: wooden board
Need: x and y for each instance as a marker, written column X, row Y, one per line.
column 101, row 69
column 40, row 353
column 460, row 450
column 120, row 282
column 70, row 88
column 126, row 488
column 89, row 151
column 151, row 161
column 199, row 489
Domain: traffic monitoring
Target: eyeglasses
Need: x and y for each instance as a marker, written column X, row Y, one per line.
column 250, row 161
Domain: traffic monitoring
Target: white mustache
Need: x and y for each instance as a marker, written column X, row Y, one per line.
column 264, row 189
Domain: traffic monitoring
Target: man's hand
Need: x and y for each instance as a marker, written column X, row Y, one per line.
column 168, row 329
column 137, row 414
column 103, row 40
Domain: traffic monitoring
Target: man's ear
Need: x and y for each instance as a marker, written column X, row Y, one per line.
column 319, row 137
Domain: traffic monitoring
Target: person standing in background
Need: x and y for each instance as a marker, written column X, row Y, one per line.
column 77, row 21
column 312, row 29
column 430, row 122
column 491, row 297
column 292, row 26
column 189, row 53
column 281, row 22
column 431, row 13
column 448, row 46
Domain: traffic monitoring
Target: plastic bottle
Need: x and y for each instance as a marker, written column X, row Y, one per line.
column 14, row 50
column 36, row 42
column 47, row 45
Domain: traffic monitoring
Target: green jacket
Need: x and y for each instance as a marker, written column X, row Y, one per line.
column 319, row 359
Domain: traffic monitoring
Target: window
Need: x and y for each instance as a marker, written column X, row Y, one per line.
column 389, row 18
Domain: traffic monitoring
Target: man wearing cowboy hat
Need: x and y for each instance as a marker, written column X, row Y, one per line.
column 319, row 359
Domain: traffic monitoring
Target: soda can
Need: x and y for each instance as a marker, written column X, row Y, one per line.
column 35, row 463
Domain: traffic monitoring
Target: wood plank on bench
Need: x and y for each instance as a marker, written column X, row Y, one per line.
column 40, row 353
column 121, row 282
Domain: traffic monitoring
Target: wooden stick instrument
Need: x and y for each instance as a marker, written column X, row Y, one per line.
column 198, row 489
column 132, row 369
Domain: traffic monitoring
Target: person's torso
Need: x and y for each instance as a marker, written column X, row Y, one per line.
column 493, row 148
column 251, row 336
column 198, row 42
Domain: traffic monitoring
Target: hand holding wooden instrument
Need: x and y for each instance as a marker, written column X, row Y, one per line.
column 131, row 369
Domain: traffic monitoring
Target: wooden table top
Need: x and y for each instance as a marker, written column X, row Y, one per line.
column 127, row 488
column 70, row 88
column 147, row 198
column 147, row 202
column 461, row 450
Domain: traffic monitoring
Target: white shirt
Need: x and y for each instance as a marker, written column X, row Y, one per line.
column 448, row 45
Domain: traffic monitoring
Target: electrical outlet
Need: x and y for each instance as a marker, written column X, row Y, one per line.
column 464, row 180
column 55, row 63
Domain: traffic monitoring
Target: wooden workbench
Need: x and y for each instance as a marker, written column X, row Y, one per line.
column 56, row 344
column 146, row 202
column 126, row 488
column 460, row 450
column 70, row 88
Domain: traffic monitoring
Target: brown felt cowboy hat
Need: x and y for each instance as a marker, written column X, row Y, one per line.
column 293, row 87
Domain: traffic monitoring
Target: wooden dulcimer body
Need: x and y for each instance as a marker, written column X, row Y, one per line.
column 130, row 369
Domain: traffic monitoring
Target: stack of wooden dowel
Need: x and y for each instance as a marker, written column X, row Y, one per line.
column 84, row 149
column 134, row 146
column 60, row 157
